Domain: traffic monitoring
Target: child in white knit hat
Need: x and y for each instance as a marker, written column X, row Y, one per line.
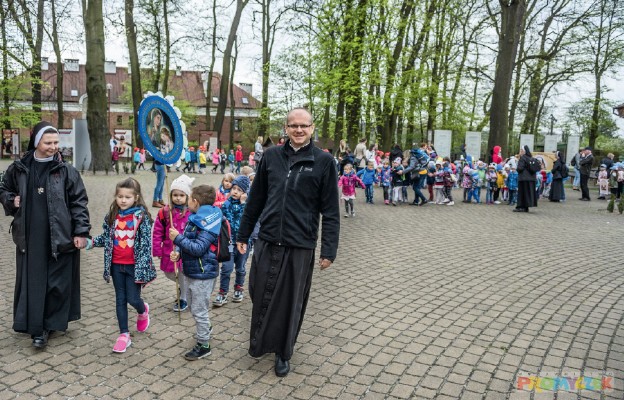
column 162, row 246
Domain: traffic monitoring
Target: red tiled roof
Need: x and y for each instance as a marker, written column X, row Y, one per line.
column 188, row 86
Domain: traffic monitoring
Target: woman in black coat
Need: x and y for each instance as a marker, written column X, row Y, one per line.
column 48, row 203
column 526, row 182
column 556, row 187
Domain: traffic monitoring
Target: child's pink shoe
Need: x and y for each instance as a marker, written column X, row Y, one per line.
column 123, row 342
column 143, row 320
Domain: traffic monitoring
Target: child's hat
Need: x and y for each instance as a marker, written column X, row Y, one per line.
column 398, row 160
column 492, row 165
column 438, row 162
column 183, row 183
column 242, row 182
column 603, row 166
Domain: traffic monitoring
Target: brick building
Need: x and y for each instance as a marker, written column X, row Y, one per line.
column 188, row 87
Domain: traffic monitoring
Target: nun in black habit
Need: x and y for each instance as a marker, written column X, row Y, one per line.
column 556, row 187
column 526, row 182
column 48, row 202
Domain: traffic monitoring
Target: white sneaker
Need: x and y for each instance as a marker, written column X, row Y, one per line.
column 446, row 201
column 450, row 203
column 346, row 215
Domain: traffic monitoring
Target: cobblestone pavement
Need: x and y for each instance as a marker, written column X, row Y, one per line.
column 422, row 302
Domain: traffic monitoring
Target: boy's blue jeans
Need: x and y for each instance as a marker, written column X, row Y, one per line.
column 489, row 195
column 476, row 194
column 513, row 197
column 126, row 292
column 369, row 192
column 237, row 261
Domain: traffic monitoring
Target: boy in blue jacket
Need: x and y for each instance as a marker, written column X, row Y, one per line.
column 368, row 176
column 196, row 247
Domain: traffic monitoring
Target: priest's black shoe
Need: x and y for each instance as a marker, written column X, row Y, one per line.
column 282, row 367
column 41, row 341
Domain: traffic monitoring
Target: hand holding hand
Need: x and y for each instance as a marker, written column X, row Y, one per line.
column 173, row 233
column 242, row 247
column 80, row 242
column 16, row 201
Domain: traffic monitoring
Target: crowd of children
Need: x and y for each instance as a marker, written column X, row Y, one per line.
column 481, row 183
column 184, row 238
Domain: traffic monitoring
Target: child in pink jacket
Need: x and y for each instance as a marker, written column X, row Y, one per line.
column 162, row 246
column 348, row 181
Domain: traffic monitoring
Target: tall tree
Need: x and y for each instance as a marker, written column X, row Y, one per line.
column 165, row 81
column 135, row 67
column 23, row 16
column 211, row 65
column 605, row 34
column 232, row 100
column 556, row 44
column 511, row 17
column 97, row 120
column 227, row 60
column 56, row 45
column 270, row 24
column 6, row 121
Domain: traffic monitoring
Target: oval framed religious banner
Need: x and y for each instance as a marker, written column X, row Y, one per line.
column 160, row 129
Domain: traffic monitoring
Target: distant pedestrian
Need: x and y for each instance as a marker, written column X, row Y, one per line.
column 585, row 165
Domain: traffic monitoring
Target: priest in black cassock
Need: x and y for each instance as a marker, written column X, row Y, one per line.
column 294, row 185
column 48, row 202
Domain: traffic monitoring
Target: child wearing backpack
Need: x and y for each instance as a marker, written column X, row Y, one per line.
column 196, row 246
column 232, row 210
column 369, row 177
column 397, row 181
column 348, row 182
column 177, row 212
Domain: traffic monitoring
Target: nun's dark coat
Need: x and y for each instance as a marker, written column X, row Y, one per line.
column 47, row 286
column 526, row 182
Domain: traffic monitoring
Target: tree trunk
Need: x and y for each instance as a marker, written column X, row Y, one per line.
column 165, row 81
column 354, row 90
column 34, row 43
column 97, row 118
column 232, row 101
column 135, row 73
column 6, row 101
column 59, row 66
column 512, row 15
column 390, row 120
column 213, row 57
column 227, row 59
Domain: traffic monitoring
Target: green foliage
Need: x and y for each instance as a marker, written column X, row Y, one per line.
column 579, row 119
column 611, row 204
column 621, row 206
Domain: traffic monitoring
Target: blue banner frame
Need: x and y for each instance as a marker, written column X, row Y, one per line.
column 169, row 119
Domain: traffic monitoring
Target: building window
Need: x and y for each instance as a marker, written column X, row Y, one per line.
column 74, row 93
column 215, row 99
column 119, row 119
column 245, row 100
column 237, row 125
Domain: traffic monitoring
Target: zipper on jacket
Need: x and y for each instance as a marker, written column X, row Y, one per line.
column 283, row 206
column 201, row 265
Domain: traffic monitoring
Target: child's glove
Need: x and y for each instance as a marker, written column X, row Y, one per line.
column 89, row 245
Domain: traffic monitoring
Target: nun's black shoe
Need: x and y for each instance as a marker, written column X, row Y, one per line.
column 41, row 341
column 282, row 367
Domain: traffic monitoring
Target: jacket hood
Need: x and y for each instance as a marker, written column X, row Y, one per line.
column 497, row 149
column 207, row 218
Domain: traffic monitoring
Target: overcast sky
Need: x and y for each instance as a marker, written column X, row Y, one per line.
column 248, row 67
